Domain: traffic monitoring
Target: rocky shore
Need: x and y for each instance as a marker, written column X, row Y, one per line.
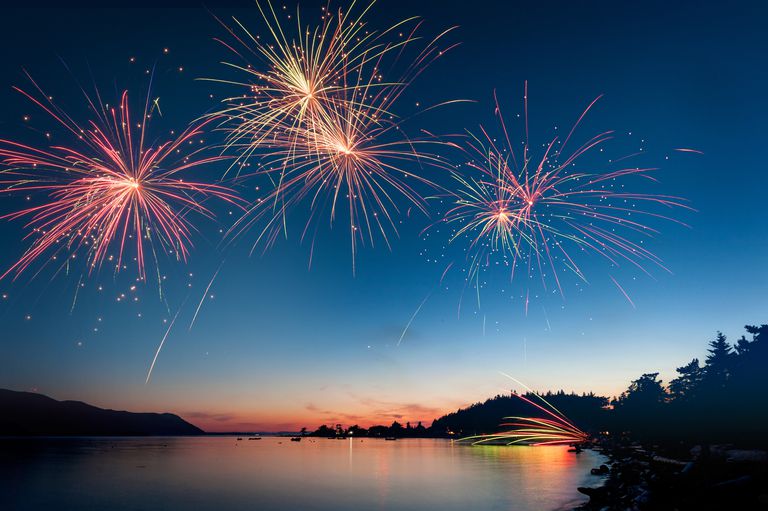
column 717, row 477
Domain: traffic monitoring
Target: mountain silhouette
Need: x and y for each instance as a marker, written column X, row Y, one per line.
column 27, row 413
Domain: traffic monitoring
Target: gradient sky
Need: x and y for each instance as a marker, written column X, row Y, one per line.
column 280, row 345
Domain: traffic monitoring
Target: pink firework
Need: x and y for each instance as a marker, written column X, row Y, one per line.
column 110, row 189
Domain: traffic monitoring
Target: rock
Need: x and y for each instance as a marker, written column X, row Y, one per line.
column 669, row 461
column 746, row 456
column 734, row 483
column 643, row 499
column 601, row 470
column 719, row 452
column 595, row 494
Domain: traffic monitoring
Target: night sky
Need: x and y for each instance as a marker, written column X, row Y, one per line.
column 280, row 345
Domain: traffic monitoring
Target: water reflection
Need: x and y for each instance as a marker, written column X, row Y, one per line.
column 221, row 473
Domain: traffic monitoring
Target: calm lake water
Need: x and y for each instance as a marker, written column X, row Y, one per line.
column 222, row 474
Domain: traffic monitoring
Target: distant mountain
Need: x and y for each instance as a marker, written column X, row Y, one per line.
column 26, row 413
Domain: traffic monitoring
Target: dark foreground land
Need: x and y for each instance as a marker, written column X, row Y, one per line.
column 700, row 441
column 717, row 477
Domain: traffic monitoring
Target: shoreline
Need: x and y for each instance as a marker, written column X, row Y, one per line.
column 648, row 478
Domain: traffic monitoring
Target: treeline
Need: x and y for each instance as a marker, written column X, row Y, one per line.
column 724, row 399
column 396, row 430
column 586, row 410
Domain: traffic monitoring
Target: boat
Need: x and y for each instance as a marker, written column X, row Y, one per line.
column 296, row 439
column 239, row 438
column 254, row 438
column 390, row 438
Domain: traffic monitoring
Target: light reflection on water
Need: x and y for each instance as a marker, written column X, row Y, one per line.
column 221, row 473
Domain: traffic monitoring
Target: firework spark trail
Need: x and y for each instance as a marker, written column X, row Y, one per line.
column 553, row 429
column 320, row 116
column 530, row 391
column 108, row 188
column 162, row 342
column 623, row 292
column 534, row 213
column 416, row 313
column 205, row 293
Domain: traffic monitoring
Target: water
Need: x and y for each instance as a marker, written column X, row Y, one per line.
column 222, row 474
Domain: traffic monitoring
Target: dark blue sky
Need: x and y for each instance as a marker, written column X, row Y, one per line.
column 281, row 344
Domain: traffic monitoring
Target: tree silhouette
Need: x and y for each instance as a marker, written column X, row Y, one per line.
column 646, row 390
column 723, row 401
column 685, row 386
column 719, row 358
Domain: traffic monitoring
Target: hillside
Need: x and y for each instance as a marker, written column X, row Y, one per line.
column 26, row 413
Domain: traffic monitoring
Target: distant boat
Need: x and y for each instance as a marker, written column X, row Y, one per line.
column 389, row 438
column 254, row 438
column 239, row 438
column 296, row 439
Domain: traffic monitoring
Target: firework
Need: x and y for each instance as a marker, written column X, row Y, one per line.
column 291, row 80
column 536, row 213
column 109, row 189
column 358, row 161
column 321, row 118
column 553, row 428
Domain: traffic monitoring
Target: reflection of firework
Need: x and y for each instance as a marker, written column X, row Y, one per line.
column 110, row 189
column 552, row 429
column 535, row 213
column 320, row 116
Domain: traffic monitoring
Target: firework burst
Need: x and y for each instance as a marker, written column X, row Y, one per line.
column 293, row 77
column 321, row 119
column 538, row 212
column 110, row 189
column 354, row 158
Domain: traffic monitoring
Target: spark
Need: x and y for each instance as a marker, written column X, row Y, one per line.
column 623, row 292
column 162, row 343
column 205, row 294
column 416, row 313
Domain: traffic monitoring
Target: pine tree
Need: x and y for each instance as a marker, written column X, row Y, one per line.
column 719, row 363
column 685, row 386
